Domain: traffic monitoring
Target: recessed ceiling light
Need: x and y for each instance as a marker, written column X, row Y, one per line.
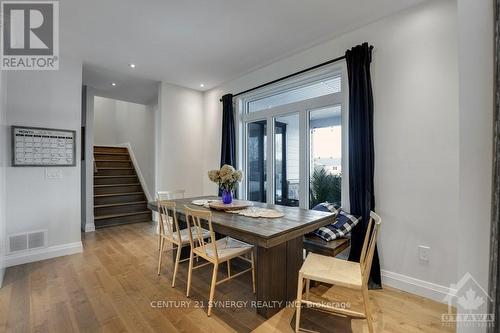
column 113, row 84
column 132, row 65
column 202, row 85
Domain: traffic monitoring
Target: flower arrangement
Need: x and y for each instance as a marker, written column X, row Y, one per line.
column 227, row 177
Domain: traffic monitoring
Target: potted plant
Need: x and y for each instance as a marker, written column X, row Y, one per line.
column 227, row 178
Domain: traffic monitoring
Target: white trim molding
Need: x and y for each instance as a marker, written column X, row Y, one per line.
column 137, row 169
column 89, row 227
column 418, row 287
column 42, row 254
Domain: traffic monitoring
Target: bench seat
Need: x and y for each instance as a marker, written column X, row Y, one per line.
column 317, row 245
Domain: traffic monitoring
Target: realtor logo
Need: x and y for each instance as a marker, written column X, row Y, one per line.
column 30, row 35
column 471, row 304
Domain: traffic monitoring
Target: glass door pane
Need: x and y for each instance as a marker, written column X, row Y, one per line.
column 286, row 162
column 256, row 161
column 325, row 140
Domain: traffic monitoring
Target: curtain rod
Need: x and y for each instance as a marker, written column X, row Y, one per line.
column 289, row 76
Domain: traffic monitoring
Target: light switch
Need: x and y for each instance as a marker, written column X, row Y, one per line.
column 53, row 173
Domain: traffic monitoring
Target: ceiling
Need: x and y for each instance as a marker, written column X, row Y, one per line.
column 191, row 42
column 128, row 87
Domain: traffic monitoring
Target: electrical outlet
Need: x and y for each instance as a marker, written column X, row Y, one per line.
column 424, row 253
column 53, row 173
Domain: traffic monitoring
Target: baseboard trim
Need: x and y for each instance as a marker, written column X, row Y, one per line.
column 42, row 254
column 2, row 274
column 89, row 227
column 418, row 287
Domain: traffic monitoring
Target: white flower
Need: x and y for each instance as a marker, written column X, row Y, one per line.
column 226, row 177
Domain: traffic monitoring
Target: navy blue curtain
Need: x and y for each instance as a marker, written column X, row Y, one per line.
column 228, row 148
column 228, row 151
column 361, row 151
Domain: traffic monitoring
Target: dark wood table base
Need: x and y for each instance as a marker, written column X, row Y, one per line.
column 277, row 274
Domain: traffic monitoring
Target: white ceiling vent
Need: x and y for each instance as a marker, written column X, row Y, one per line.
column 27, row 241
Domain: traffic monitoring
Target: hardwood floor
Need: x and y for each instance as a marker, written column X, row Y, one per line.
column 113, row 287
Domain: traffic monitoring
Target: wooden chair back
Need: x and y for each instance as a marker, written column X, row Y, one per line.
column 168, row 219
column 170, row 195
column 193, row 220
column 369, row 243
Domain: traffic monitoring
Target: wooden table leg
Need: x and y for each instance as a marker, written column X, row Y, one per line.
column 277, row 273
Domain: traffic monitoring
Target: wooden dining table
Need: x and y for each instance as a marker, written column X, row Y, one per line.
column 279, row 244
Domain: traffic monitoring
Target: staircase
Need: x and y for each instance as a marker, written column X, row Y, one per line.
column 118, row 194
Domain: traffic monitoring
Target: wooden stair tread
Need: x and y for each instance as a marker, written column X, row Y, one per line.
column 116, row 194
column 114, row 185
column 102, row 217
column 98, row 226
column 122, row 176
column 121, row 204
column 127, row 203
column 103, row 153
column 113, row 168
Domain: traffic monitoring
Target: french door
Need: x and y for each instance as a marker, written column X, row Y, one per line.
column 293, row 154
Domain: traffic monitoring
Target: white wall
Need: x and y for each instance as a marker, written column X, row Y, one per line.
column 181, row 140
column 118, row 122
column 3, row 165
column 415, row 81
column 87, row 176
column 476, row 66
column 49, row 99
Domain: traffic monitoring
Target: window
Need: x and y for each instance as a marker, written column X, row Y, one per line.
column 325, row 146
column 315, row 89
column 304, row 118
column 286, row 162
column 256, row 161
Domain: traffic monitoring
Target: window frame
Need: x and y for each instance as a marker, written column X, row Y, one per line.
column 303, row 108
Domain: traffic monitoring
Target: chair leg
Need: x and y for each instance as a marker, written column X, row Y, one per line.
column 190, row 272
column 308, row 285
column 229, row 267
column 212, row 290
column 253, row 271
column 366, row 301
column 176, row 265
column 298, row 303
column 160, row 253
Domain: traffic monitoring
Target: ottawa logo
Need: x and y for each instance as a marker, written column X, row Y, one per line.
column 471, row 302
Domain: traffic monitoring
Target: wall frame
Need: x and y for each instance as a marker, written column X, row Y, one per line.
column 42, row 147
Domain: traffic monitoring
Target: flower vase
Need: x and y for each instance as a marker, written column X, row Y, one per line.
column 227, row 197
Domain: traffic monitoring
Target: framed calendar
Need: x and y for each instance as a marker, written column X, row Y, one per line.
column 33, row 146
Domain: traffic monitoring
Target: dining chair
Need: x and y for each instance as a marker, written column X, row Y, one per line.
column 171, row 233
column 216, row 252
column 348, row 274
column 168, row 195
